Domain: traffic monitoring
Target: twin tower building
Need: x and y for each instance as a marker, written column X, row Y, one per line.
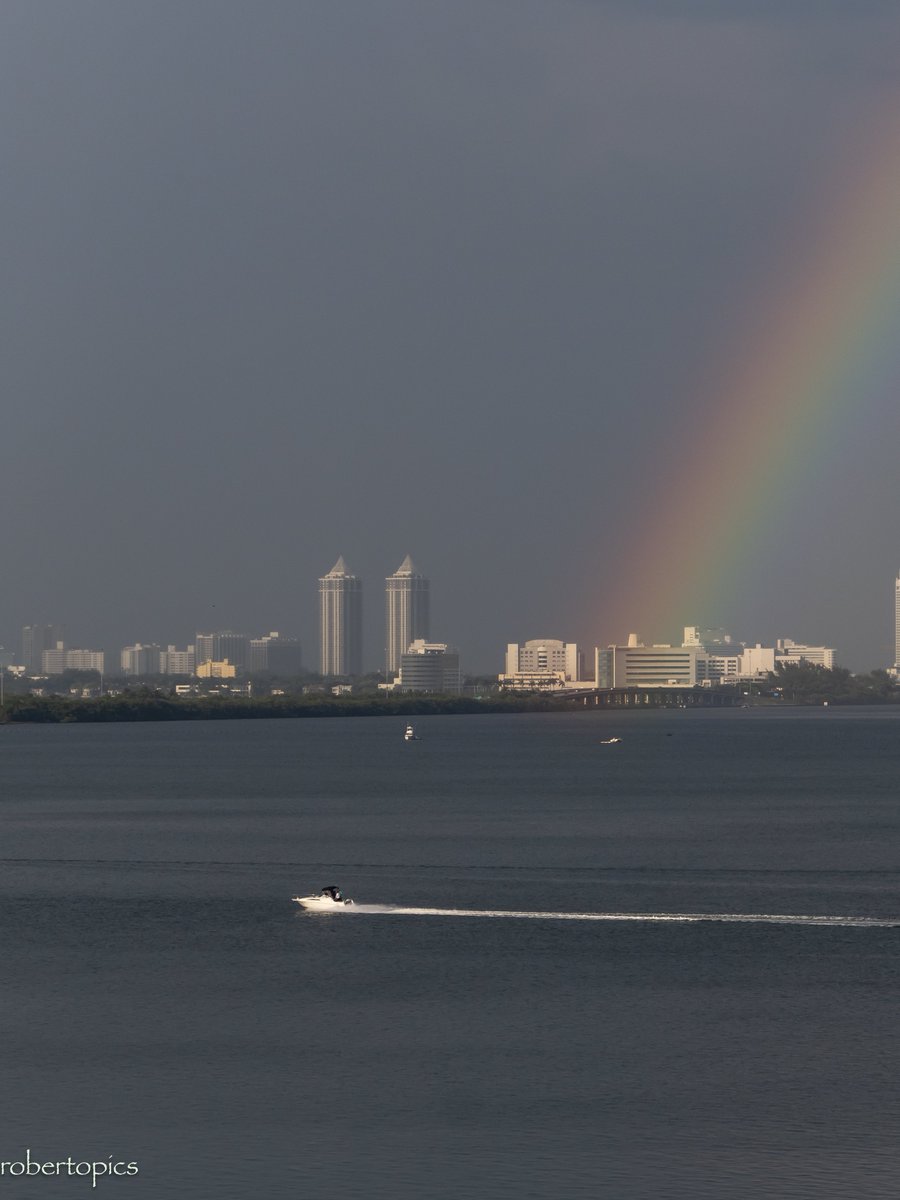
column 340, row 618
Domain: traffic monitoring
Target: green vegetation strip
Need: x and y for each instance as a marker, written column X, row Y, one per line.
column 153, row 707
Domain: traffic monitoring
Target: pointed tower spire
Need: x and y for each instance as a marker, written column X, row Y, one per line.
column 407, row 567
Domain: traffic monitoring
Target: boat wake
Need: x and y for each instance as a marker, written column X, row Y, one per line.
column 725, row 918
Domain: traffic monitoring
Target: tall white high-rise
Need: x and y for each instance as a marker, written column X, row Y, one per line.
column 897, row 622
column 406, row 613
column 340, row 622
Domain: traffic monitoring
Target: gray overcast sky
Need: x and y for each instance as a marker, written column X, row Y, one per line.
column 285, row 280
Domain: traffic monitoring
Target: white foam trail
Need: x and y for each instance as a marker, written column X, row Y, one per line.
column 728, row 918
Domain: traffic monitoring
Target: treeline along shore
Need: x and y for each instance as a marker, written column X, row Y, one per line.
column 802, row 684
column 138, row 706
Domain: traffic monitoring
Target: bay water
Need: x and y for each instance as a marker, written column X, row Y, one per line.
column 165, row 1003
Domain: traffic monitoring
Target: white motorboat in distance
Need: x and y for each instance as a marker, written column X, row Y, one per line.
column 610, row 741
column 328, row 899
column 410, row 735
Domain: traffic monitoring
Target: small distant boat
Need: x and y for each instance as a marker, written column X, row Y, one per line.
column 610, row 741
column 410, row 735
column 328, row 898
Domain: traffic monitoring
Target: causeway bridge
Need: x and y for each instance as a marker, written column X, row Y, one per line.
column 658, row 697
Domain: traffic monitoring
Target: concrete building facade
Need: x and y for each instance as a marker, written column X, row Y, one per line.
column 340, row 622
column 139, row 660
column 407, row 612
column 787, row 651
column 177, row 662
column 647, row 666
column 542, row 664
column 429, row 667
column 276, row 654
column 35, row 640
column 54, row 662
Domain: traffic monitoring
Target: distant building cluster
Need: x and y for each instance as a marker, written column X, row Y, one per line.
column 412, row 663
column 415, row 662
column 212, row 655
column 705, row 658
column 44, row 652
column 702, row 658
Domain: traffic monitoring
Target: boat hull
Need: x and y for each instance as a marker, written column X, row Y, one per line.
column 321, row 903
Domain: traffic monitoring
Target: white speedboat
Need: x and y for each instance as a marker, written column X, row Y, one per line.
column 410, row 735
column 327, row 899
column 610, row 741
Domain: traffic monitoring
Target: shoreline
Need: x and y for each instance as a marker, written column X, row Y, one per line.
column 123, row 708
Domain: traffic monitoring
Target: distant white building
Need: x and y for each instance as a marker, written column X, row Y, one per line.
column 177, row 662
column 543, row 663
column 636, row 665
column 897, row 623
column 787, row 651
column 756, row 661
column 54, row 662
column 717, row 668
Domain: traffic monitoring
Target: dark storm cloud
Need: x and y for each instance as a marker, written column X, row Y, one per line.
column 292, row 280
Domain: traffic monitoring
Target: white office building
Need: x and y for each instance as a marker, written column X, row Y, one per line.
column 542, row 664
column 177, row 662
column 640, row 666
column 787, row 651
column 717, row 668
column 756, row 661
column 406, row 614
column 54, row 662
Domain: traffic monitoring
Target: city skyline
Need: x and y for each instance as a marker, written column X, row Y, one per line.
column 340, row 645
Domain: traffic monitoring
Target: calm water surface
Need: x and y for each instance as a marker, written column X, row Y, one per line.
column 164, row 1002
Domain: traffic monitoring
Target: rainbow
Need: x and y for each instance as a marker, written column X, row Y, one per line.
column 828, row 337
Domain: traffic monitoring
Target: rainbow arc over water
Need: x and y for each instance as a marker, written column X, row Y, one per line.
column 826, row 341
